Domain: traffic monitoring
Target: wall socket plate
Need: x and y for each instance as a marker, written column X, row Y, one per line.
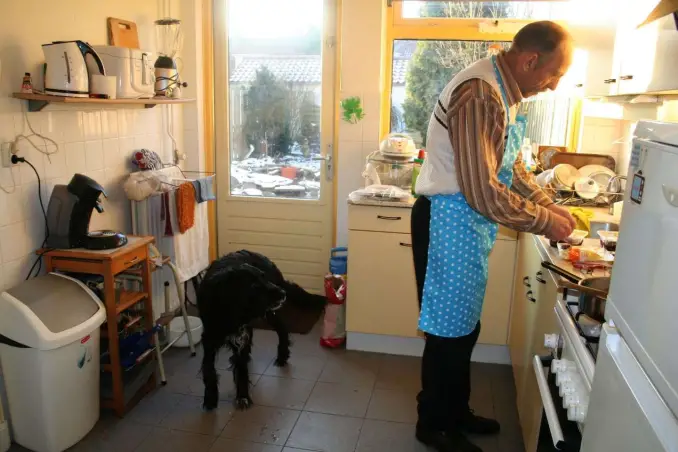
column 6, row 151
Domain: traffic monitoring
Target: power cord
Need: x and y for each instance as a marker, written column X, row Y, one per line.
column 38, row 261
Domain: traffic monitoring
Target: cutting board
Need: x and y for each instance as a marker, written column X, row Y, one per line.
column 579, row 160
column 122, row 33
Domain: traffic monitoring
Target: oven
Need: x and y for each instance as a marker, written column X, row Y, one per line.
column 565, row 377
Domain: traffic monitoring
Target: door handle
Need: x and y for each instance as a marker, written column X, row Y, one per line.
column 547, row 401
column 609, row 81
column 381, row 217
column 529, row 296
column 540, row 277
column 407, row 245
column 626, row 77
column 329, row 164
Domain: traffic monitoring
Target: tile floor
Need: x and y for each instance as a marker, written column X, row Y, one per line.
column 333, row 401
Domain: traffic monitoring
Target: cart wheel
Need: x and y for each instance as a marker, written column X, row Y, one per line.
column 193, row 354
column 163, row 383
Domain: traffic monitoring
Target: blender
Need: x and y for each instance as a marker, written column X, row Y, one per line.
column 169, row 36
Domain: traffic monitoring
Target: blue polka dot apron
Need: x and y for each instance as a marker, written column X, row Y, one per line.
column 459, row 247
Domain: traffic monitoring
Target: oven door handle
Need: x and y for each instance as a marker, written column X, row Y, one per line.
column 549, row 407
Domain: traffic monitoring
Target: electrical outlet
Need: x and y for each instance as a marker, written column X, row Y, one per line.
column 6, row 151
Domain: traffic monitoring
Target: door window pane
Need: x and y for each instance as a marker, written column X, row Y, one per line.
column 421, row 69
column 275, row 74
column 534, row 10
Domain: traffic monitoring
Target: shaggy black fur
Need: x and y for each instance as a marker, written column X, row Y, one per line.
column 237, row 289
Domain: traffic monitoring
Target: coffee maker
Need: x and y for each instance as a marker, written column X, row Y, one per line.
column 69, row 213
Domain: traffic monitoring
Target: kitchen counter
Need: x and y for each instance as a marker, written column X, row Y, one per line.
column 550, row 254
column 368, row 202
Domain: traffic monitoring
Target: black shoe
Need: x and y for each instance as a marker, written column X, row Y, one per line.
column 452, row 441
column 478, row 425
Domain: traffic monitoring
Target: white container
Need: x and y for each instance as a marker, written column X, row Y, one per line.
column 133, row 69
column 177, row 327
column 49, row 351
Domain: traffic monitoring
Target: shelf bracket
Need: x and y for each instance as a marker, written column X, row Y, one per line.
column 36, row 105
column 149, row 105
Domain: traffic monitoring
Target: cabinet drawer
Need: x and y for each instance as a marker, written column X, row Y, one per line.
column 129, row 259
column 382, row 293
column 382, row 219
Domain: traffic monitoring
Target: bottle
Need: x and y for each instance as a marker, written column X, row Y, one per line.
column 27, row 84
column 416, row 169
column 526, row 153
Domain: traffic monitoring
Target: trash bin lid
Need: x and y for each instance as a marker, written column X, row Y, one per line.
column 59, row 303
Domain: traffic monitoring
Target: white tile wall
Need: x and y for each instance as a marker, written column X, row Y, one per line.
column 97, row 143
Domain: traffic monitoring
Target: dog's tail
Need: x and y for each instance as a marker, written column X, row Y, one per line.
column 297, row 296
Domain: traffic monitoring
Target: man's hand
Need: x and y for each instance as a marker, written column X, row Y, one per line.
column 562, row 212
column 560, row 228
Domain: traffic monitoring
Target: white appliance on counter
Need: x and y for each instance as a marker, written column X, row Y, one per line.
column 634, row 398
column 133, row 69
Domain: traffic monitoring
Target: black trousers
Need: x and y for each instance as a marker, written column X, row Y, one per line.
column 446, row 365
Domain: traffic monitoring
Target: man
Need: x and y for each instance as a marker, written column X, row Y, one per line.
column 471, row 180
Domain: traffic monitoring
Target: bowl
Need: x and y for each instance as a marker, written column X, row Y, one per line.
column 577, row 237
column 176, row 328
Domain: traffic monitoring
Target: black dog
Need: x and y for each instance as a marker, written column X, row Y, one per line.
column 237, row 289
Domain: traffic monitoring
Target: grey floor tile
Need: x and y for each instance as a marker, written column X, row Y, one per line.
column 262, row 424
column 153, row 408
column 123, row 434
column 399, row 372
column 381, row 436
column 166, row 440
column 231, row 445
column 282, row 392
column 340, row 399
column 394, row 406
column 188, row 416
column 326, row 433
column 351, row 368
column 486, row 443
column 303, row 367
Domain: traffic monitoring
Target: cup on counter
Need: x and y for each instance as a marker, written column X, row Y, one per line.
column 103, row 85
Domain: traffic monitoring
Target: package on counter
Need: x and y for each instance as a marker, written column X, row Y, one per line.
column 334, row 323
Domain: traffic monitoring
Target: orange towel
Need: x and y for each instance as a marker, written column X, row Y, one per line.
column 185, row 197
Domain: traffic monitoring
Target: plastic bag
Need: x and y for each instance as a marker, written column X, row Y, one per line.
column 380, row 192
column 334, row 322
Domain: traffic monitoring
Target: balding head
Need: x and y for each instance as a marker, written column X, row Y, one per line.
column 541, row 53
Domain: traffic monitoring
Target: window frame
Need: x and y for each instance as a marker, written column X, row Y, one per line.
column 396, row 27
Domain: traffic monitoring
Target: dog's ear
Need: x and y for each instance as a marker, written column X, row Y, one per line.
column 250, row 269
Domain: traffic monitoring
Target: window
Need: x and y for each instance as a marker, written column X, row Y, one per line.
column 275, row 84
column 528, row 10
column 428, row 42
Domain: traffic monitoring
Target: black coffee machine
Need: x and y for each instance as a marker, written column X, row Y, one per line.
column 69, row 213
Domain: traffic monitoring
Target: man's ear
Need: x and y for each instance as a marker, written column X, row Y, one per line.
column 531, row 61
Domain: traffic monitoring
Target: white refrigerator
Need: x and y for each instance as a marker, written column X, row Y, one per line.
column 634, row 397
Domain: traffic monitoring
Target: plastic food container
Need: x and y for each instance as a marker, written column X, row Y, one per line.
column 608, row 239
column 577, row 237
column 564, row 250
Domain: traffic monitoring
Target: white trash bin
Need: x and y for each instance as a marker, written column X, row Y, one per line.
column 49, row 353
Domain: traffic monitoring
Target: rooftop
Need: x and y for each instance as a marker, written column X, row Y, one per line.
column 294, row 69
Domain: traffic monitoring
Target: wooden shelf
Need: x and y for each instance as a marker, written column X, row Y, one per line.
column 37, row 102
column 129, row 299
column 137, row 271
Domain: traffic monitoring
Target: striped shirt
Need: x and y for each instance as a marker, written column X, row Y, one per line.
column 476, row 125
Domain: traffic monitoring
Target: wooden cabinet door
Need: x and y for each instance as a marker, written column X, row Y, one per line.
column 382, row 293
column 497, row 304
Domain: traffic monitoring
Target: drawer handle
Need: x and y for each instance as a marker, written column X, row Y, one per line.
column 579, row 85
column 609, row 81
column 381, row 217
column 626, row 77
column 526, row 281
column 406, row 245
column 529, row 296
column 540, row 277
column 131, row 261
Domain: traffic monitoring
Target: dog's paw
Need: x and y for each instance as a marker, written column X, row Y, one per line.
column 243, row 403
column 210, row 403
column 280, row 362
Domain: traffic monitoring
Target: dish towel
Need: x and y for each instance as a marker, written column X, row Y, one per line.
column 196, row 187
column 582, row 217
column 207, row 189
column 185, row 200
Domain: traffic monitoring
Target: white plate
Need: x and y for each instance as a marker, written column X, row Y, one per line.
column 564, row 176
column 588, row 170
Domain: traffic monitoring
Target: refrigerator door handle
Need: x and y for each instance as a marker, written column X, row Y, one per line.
column 549, row 406
column 670, row 194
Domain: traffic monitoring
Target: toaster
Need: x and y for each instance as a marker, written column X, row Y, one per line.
column 133, row 69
